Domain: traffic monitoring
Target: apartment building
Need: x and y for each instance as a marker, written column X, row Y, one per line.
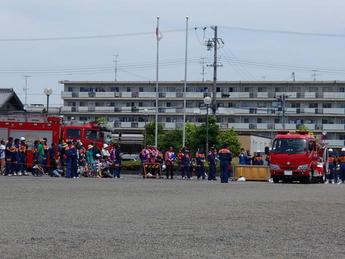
column 248, row 107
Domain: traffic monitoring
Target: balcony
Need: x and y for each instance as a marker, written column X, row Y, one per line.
column 335, row 143
column 334, row 110
column 334, row 95
column 147, row 95
column 333, row 126
column 238, row 126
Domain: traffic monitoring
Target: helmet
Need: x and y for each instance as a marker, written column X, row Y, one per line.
column 330, row 150
column 22, row 139
column 105, row 145
column 343, row 149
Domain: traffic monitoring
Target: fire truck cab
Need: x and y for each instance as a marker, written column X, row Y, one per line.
column 298, row 156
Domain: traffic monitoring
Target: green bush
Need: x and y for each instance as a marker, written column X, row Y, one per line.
column 130, row 165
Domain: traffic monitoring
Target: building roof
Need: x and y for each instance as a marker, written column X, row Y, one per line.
column 205, row 82
column 8, row 95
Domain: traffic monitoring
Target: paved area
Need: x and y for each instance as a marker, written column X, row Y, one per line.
column 135, row 218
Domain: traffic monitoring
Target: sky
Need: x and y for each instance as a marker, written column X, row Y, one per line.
column 263, row 40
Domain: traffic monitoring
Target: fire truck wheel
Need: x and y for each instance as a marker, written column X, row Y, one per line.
column 275, row 179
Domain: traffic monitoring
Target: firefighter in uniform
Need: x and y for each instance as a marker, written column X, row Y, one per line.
column 8, row 157
column 332, row 166
column 200, row 164
column 211, row 158
column 225, row 158
column 186, row 164
column 258, row 159
column 341, row 161
column 22, row 156
column 71, row 161
column 15, row 158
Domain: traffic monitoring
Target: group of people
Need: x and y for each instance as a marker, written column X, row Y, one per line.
column 336, row 166
column 70, row 159
column 245, row 158
column 187, row 163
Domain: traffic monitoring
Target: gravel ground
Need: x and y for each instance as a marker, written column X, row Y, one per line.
column 135, row 218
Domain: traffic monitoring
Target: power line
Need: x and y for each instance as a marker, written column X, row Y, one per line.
column 87, row 37
column 315, row 34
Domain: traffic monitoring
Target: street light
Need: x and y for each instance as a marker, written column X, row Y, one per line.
column 48, row 92
column 207, row 102
column 146, row 120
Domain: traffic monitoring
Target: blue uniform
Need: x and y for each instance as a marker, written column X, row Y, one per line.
column 71, row 162
column 242, row 159
column 200, row 167
column 211, row 158
column 225, row 158
column 332, row 167
column 186, row 165
column 341, row 160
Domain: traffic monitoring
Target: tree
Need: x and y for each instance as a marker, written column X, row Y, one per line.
column 101, row 120
column 150, row 130
column 230, row 138
column 213, row 133
column 170, row 138
column 303, row 127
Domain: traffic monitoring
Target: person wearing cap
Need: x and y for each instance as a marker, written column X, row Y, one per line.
column 332, row 165
column 71, row 161
column 105, row 151
column 258, row 159
column 225, row 158
column 341, row 161
column 169, row 162
column 8, row 157
column 200, row 164
column 22, row 156
column 212, row 164
column 186, row 160
column 98, row 164
column 115, row 157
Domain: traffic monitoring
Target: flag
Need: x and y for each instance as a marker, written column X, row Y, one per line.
column 159, row 35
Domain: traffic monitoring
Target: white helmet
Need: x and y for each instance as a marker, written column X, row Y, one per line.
column 330, row 150
column 105, row 145
column 22, row 139
column 343, row 149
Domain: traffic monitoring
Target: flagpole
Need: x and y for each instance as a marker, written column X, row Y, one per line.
column 185, row 87
column 157, row 92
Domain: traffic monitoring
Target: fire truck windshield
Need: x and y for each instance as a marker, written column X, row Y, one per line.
column 93, row 135
column 285, row 145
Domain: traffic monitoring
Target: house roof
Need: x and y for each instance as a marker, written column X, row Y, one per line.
column 8, row 95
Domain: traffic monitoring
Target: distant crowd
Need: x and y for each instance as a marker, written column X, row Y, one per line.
column 71, row 159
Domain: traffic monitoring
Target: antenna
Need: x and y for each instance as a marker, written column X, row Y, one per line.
column 314, row 74
column 293, row 76
column 203, row 72
column 26, row 90
column 115, row 66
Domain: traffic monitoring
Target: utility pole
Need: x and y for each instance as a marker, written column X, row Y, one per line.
column 26, row 90
column 293, row 75
column 214, row 43
column 282, row 106
column 203, row 72
column 115, row 67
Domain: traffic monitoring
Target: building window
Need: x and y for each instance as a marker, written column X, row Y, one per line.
column 295, row 105
column 342, row 89
column 313, row 105
column 246, row 120
column 218, row 89
column 262, row 89
column 141, row 89
column 259, row 120
column 128, row 89
column 276, row 120
column 83, row 118
column 114, row 89
column 231, row 89
column 277, row 89
column 231, row 120
column 168, row 104
column 326, row 105
column 140, row 104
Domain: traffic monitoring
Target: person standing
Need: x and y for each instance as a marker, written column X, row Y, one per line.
column 71, row 161
column 212, row 161
column 186, row 160
column 225, row 161
column 248, row 158
column 258, row 159
column 2, row 157
column 332, row 176
column 22, row 156
column 8, row 157
column 169, row 162
column 200, row 164
column 15, row 158
column 341, row 160
column 242, row 158
column 115, row 157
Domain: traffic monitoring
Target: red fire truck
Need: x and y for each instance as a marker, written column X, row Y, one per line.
column 36, row 126
column 298, row 156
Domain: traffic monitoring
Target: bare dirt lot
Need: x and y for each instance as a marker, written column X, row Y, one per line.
column 135, row 218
